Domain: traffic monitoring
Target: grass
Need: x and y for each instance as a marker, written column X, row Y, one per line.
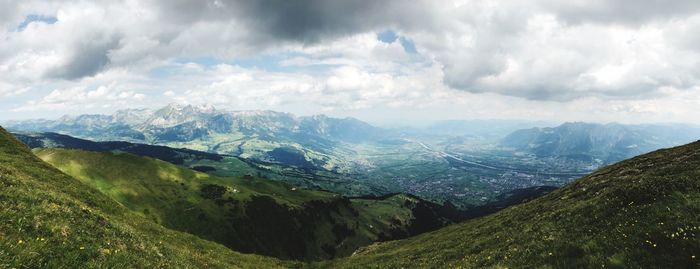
column 245, row 213
column 51, row 220
column 639, row 213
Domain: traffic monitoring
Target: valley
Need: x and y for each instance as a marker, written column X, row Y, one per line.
column 616, row 216
column 641, row 212
column 462, row 162
column 245, row 212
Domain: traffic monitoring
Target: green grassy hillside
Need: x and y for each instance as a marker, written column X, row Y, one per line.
column 248, row 214
column 639, row 213
column 214, row 164
column 51, row 220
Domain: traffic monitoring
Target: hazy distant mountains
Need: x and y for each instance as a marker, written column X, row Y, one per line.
column 606, row 142
column 483, row 129
column 263, row 135
column 232, row 131
column 186, row 123
column 321, row 142
column 465, row 162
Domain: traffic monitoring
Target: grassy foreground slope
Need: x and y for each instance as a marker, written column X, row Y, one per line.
column 51, row 220
column 639, row 213
column 246, row 213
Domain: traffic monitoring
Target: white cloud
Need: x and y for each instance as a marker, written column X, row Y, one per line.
column 82, row 99
column 598, row 60
column 530, row 53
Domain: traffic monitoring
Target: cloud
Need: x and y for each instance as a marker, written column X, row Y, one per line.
column 524, row 52
column 86, row 59
column 83, row 98
column 357, row 72
column 343, row 88
column 8, row 90
column 354, row 55
column 10, row 14
column 310, row 21
column 628, row 12
column 306, row 21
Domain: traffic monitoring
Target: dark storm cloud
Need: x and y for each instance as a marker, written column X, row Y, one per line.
column 311, row 20
column 88, row 58
column 306, row 21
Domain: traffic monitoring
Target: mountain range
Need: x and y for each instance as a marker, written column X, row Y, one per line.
column 181, row 123
column 463, row 162
column 111, row 209
column 606, row 142
column 313, row 142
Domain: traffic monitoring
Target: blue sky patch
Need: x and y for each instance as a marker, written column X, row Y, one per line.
column 408, row 45
column 390, row 36
column 36, row 18
column 387, row 36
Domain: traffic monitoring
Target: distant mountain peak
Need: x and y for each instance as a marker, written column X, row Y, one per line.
column 206, row 108
column 180, row 107
column 177, row 113
column 187, row 122
column 64, row 118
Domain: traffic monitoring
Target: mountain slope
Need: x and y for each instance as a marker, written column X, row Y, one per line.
column 249, row 214
column 215, row 164
column 639, row 213
column 171, row 155
column 505, row 200
column 51, row 220
column 607, row 142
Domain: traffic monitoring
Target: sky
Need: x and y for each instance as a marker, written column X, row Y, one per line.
column 630, row 61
